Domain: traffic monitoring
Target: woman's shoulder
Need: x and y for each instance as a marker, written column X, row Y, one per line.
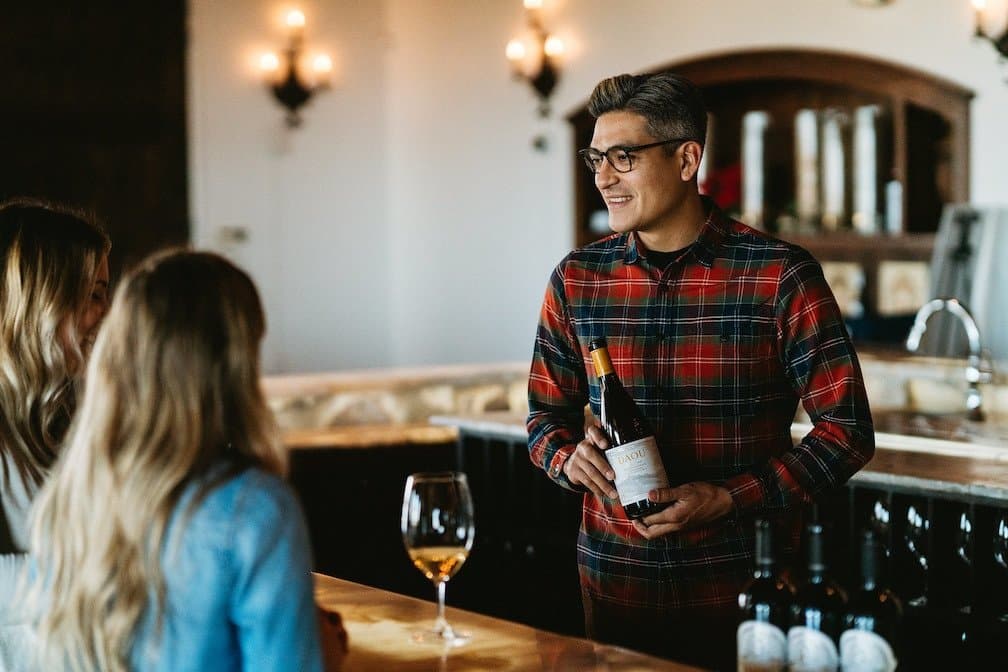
column 228, row 505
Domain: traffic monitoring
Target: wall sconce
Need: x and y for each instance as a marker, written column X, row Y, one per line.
column 1000, row 43
column 282, row 73
column 536, row 60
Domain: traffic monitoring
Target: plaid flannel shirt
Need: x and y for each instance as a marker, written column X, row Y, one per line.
column 717, row 349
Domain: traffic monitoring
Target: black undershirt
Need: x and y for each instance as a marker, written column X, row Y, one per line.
column 663, row 260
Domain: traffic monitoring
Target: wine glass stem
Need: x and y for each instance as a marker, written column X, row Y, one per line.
column 440, row 624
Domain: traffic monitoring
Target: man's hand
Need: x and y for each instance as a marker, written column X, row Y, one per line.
column 693, row 505
column 587, row 466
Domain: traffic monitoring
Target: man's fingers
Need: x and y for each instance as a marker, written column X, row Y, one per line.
column 663, row 495
column 583, row 470
column 598, row 437
column 656, row 530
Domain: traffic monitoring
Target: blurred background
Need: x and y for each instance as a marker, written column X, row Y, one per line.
column 414, row 215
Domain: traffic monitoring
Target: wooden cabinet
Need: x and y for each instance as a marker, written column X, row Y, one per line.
column 922, row 142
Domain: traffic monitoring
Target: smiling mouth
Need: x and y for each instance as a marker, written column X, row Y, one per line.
column 616, row 201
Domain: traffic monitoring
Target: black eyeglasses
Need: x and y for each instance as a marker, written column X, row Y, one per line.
column 620, row 157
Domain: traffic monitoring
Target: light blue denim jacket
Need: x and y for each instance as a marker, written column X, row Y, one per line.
column 239, row 588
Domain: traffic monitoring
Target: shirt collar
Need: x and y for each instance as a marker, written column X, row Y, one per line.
column 705, row 247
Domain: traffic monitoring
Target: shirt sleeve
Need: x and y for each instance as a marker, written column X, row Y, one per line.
column 823, row 369
column 14, row 568
column 273, row 605
column 558, row 386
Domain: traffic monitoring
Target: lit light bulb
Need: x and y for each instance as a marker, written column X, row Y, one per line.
column 515, row 51
column 553, row 46
column 979, row 5
column 295, row 18
column 322, row 64
column 533, row 4
column 269, row 62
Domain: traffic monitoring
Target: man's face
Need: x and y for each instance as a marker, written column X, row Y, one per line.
column 646, row 198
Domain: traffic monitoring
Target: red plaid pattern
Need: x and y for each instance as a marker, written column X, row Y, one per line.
column 717, row 349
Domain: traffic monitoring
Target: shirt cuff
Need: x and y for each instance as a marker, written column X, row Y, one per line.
column 747, row 493
column 555, row 469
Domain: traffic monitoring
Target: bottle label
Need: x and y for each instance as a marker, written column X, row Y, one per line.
column 762, row 647
column 865, row 651
column 638, row 468
column 811, row 651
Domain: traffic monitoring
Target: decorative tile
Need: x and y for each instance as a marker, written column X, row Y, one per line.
column 903, row 286
column 847, row 280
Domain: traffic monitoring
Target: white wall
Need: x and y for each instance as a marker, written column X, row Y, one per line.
column 455, row 220
column 313, row 200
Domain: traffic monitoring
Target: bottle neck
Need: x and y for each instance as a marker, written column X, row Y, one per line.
column 816, row 556
column 764, row 555
column 869, row 563
column 602, row 362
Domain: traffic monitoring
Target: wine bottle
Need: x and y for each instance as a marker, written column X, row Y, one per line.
column 633, row 452
column 816, row 614
column 873, row 619
column 764, row 606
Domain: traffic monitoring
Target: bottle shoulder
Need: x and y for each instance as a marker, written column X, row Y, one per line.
column 826, row 592
column 875, row 601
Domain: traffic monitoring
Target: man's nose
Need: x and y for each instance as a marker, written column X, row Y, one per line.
column 606, row 175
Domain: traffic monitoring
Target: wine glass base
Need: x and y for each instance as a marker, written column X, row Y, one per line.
column 447, row 638
column 918, row 602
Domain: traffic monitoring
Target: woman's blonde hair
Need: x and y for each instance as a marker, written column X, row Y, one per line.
column 50, row 256
column 172, row 390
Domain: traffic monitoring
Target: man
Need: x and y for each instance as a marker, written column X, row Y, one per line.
column 717, row 331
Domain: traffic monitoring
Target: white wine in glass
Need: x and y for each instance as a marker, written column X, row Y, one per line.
column 438, row 529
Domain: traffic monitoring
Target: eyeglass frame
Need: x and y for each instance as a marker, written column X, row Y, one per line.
column 627, row 149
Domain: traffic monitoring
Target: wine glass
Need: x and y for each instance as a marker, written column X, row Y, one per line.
column 915, row 537
column 964, row 552
column 880, row 525
column 438, row 528
column 1001, row 549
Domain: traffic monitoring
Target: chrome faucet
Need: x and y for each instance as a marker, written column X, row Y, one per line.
column 974, row 374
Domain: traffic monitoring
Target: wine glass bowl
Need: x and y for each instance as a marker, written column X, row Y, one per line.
column 438, row 529
column 915, row 538
column 1001, row 550
column 879, row 522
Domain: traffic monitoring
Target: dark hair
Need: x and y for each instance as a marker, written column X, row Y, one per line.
column 49, row 256
column 671, row 105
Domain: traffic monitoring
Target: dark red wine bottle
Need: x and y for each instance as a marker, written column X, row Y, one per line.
column 873, row 620
column 817, row 613
column 633, row 452
column 764, row 611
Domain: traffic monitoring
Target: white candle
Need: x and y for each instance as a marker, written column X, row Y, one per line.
column 832, row 170
column 754, row 125
column 807, row 167
column 865, row 218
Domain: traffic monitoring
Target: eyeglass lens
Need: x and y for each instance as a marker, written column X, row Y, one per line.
column 618, row 158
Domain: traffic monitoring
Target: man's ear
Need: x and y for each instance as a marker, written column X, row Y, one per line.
column 689, row 164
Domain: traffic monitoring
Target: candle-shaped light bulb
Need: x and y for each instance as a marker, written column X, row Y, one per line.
column 533, row 4
column 269, row 62
column 322, row 64
column 295, row 19
column 978, row 16
column 515, row 51
column 553, row 46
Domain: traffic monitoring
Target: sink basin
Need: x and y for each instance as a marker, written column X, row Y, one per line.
column 947, row 426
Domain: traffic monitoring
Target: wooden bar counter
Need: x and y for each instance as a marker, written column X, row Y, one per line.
column 379, row 625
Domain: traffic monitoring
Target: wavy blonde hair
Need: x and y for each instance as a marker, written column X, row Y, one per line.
column 172, row 390
column 50, row 256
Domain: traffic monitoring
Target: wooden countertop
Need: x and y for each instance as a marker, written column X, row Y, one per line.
column 368, row 436
column 379, row 625
column 975, row 469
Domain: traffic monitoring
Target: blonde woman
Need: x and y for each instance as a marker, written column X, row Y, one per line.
column 167, row 539
column 53, row 293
